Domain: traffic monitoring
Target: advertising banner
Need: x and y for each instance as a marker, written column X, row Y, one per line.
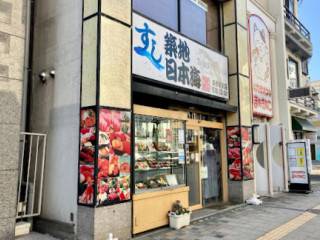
column 167, row 57
column 87, row 156
column 298, row 162
column 313, row 137
column 247, row 153
column 260, row 67
column 234, row 153
column 114, row 163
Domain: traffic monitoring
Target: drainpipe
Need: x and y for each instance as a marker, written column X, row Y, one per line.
column 27, row 77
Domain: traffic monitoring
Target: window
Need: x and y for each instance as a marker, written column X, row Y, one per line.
column 304, row 66
column 159, row 153
column 298, row 135
column 195, row 22
column 293, row 74
column 162, row 11
column 289, row 5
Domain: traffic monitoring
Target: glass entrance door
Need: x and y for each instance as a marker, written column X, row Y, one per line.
column 193, row 167
column 211, row 177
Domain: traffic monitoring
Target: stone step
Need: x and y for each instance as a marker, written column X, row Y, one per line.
column 22, row 228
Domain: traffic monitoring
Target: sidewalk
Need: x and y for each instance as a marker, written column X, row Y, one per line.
column 291, row 213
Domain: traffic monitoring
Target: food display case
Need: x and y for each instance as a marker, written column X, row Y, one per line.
column 159, row 165
column 159, row 153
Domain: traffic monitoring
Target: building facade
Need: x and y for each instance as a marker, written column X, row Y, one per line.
column 147, row 102
column 12, row 64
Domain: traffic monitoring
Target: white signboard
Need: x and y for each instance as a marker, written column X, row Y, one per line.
column 297, row 156
column 260, row 67
column 181, row 136
column 312, row 137
column 167, row 57
column 292, row 69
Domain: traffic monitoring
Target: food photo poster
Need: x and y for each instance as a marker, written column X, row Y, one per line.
column 114, row 163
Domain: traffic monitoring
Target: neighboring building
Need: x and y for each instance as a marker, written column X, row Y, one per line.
column 12, row 66
column 299, row 50
column 316, row 122
column 146, row 102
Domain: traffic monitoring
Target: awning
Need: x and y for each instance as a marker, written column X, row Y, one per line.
column 299, row 124
column 182, row 97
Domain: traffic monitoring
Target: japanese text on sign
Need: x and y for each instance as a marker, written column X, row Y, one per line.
column 163, row 55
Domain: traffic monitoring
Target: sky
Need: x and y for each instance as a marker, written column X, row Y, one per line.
column 309, row 16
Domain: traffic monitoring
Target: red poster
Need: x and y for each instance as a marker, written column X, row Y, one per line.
column 87, row 156
column 114, row 165
column 234, row 153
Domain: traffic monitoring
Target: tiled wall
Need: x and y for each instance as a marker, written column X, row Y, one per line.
column 12, row 40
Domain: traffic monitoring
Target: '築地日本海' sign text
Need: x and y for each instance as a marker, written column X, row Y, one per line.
column 163, row 55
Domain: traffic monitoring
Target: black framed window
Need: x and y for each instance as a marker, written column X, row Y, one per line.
column 305, row 69
column 184, row 16
column 298, row 135
column 162, row 11
column 289, row 5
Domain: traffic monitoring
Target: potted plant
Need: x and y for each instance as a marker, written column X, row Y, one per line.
column 179, row 216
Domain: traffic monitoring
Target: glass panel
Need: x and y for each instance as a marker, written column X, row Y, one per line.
column 193, row 166
column 159, row 153
column 211, row 178
column 193, row 21
column 163, row 11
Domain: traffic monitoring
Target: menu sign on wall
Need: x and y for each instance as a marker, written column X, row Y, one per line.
column 298, row 162
column 260, row 67
column 167, row 57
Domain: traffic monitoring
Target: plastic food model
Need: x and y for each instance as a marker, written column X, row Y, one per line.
column 152, row 183
column 157, row 152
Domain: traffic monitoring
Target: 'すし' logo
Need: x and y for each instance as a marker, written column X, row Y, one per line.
column 143, row 51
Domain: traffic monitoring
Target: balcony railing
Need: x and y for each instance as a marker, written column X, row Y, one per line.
column 296, row 23
column 307, row 102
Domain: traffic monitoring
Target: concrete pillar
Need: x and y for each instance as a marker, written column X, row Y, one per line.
column 106, row 83
column 235, row 31
column 275, row 93
column 54, row 110
column 276, row 9
column 12, row 43
column 295, row 8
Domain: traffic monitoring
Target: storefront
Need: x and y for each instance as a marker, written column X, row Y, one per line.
column 160, row 134
column 179, row 124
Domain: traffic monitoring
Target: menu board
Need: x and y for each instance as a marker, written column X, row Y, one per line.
column 298, row 163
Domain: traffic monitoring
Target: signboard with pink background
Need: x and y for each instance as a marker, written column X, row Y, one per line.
column 260, row 67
